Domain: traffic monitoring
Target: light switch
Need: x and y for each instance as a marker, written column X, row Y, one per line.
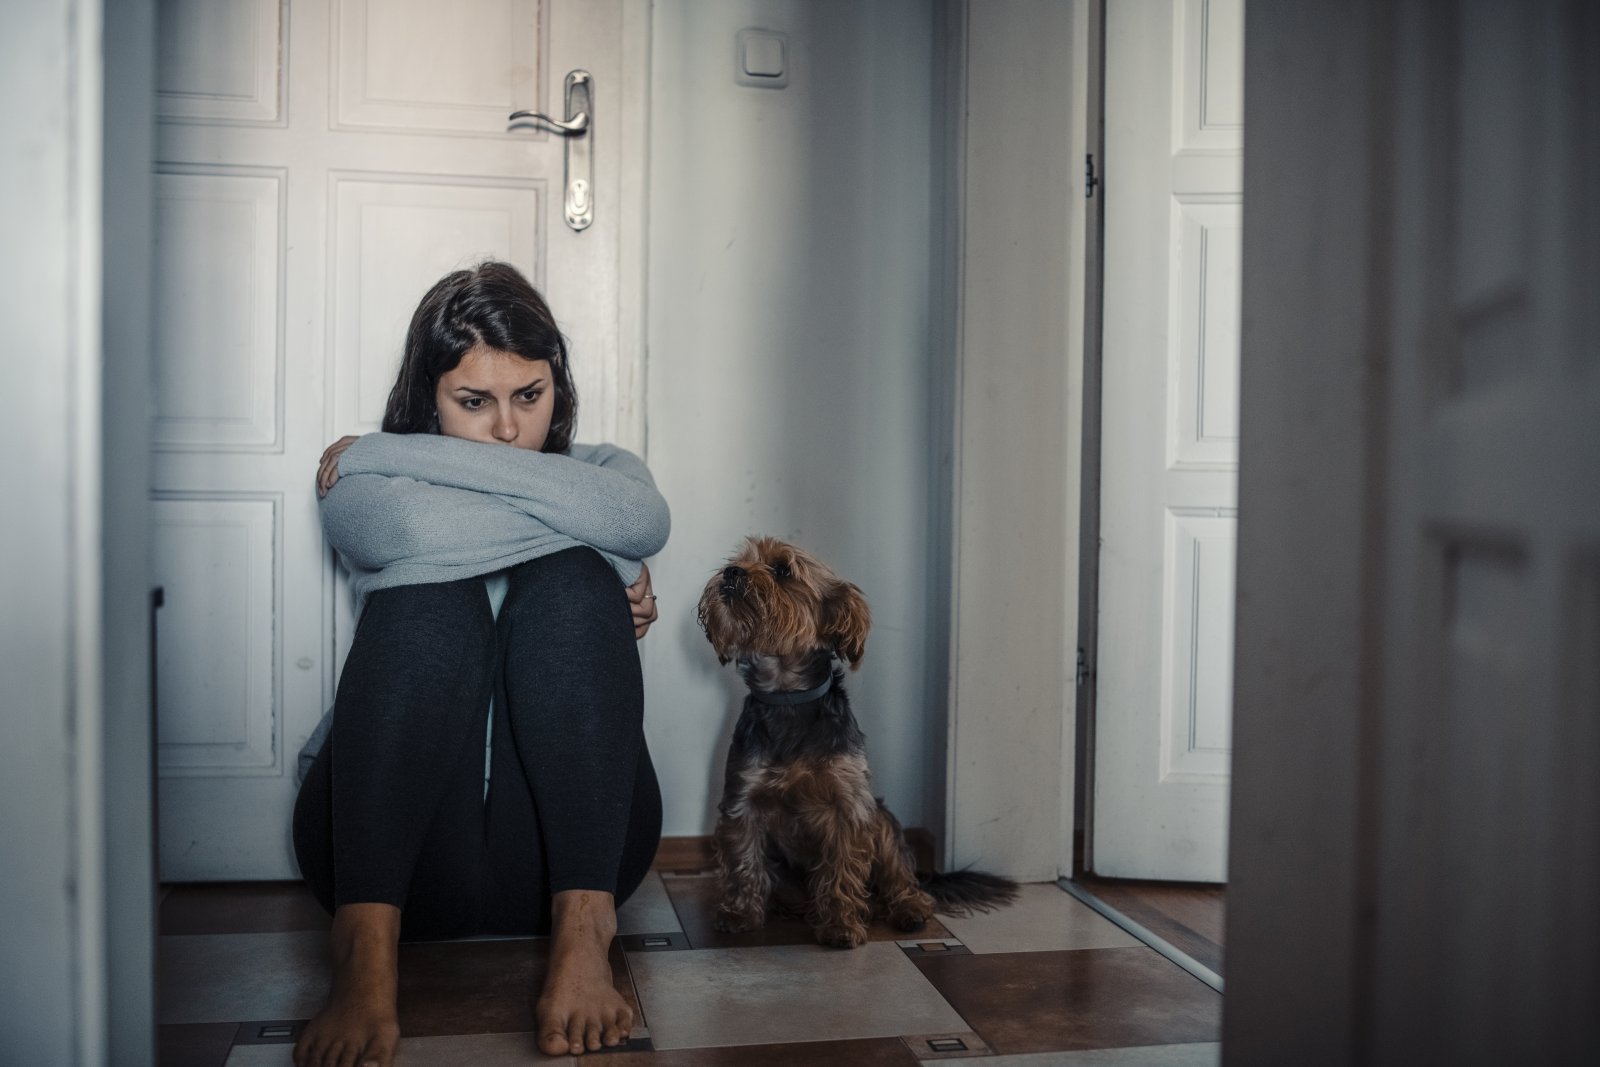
column 763, row 59
column 763, row 56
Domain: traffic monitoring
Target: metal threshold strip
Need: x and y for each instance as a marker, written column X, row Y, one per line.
column 1161, row 945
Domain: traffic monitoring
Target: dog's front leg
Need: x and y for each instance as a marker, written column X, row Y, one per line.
column 745, row 882
column 839, row 887
column 894, row 876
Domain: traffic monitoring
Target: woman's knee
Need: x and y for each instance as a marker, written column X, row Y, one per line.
column 575, row 593
column 442, row 619
column 463, row 603
column 575, row 571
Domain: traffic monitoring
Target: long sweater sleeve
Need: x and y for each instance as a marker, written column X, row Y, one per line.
column 600, row 495
column 405, row 511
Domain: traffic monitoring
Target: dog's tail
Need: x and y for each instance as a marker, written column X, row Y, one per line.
column 966, row 891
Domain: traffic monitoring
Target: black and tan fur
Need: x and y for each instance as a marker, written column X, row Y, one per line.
column 800, row 830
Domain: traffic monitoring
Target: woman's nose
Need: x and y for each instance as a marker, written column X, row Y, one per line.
column 505, row 427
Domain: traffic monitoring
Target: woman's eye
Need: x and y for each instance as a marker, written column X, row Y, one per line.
column 472, row 403
column 532, row 396
column 780, row 570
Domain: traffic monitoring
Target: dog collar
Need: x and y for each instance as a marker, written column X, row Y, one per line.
column 795, row 696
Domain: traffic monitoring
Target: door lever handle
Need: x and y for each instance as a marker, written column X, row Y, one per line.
column 576, row 124
column 578, row 203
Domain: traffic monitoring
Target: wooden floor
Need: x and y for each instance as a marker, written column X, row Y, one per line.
column 1187, row 915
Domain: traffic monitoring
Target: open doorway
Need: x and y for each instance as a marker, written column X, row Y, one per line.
column 1161, row 470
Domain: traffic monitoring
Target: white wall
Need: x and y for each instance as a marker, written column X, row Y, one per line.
column 791, row 365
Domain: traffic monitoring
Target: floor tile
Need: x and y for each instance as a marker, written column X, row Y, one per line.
column 240, row 908
column 213, row 978
column 446, row 987
column 777, row 994
column 872, row 1052
column 1093, row 998
column 649, row 910
column 470, row 987
column 194, row 1044
column 1207, row 1054
column 483, row 987
column 1043, row 918
column 695, row 899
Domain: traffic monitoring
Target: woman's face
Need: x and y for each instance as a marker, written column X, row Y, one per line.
column 498, row 398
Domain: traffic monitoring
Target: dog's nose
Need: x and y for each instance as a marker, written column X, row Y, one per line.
column 732, row 574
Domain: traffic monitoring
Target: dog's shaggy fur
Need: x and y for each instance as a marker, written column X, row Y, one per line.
column 800, row 830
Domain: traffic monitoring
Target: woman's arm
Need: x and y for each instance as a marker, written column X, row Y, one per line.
column 374, row 521
column 600, row 494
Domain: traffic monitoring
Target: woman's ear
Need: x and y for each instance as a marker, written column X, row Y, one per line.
column 846, row 620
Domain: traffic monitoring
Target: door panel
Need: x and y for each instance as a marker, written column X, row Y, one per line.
column 219, row 308
column 390, row 237
column 318, row 168
column 407, row 65
column 216, row 663
column 1170, row 439
column 1487, row 733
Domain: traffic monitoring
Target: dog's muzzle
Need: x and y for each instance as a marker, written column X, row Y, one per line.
column 734, row 580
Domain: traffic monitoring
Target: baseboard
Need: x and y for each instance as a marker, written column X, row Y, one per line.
column 694, row 853
column 684, row 854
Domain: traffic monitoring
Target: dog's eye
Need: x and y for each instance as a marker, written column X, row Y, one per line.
column 780, row 570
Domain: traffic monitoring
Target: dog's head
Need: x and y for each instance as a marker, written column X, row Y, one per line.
column 772, row 599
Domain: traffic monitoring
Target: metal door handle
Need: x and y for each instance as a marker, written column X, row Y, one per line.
column 577, row 124
column 579, row 199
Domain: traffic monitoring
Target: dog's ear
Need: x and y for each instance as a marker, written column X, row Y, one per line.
column 845, row 622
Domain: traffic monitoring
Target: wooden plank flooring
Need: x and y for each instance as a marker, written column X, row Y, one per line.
column 1186, row 914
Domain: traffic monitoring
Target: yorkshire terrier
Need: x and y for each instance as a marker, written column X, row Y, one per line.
column 800, row 830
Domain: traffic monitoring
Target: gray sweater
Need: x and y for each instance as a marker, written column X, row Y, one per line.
column 411, row 509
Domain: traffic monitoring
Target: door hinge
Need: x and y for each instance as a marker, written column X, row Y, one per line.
column 1089, row 180
column 1083, row 668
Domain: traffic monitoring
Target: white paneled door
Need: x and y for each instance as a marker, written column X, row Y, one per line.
column 1169, row 445
column 319, row 166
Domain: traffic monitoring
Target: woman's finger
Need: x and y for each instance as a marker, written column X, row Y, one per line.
column 641, row 585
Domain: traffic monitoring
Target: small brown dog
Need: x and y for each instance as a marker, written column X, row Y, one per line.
column 800, row 827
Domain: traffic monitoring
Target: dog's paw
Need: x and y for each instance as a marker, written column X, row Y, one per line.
column 908, row 922
column 841, row 936
column 730, row 922
column 911, row 914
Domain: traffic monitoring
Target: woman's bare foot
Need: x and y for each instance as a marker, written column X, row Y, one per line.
column 579, row 1009
column 359, row 1027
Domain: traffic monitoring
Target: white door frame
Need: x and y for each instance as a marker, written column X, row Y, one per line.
column 77, row 950
column 1020, row 70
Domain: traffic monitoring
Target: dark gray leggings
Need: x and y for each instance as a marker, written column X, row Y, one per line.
column 393, row 809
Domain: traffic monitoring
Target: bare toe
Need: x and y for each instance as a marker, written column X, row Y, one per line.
column 553, row 1040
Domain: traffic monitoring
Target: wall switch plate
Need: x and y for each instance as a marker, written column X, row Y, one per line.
column 761, row 59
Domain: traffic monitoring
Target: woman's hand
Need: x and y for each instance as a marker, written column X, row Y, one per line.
column 643, row 603
column 328, row 467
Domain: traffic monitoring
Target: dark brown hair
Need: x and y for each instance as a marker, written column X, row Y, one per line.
column 491, row 304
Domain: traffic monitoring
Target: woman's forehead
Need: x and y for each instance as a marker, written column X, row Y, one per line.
column 490, row 368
